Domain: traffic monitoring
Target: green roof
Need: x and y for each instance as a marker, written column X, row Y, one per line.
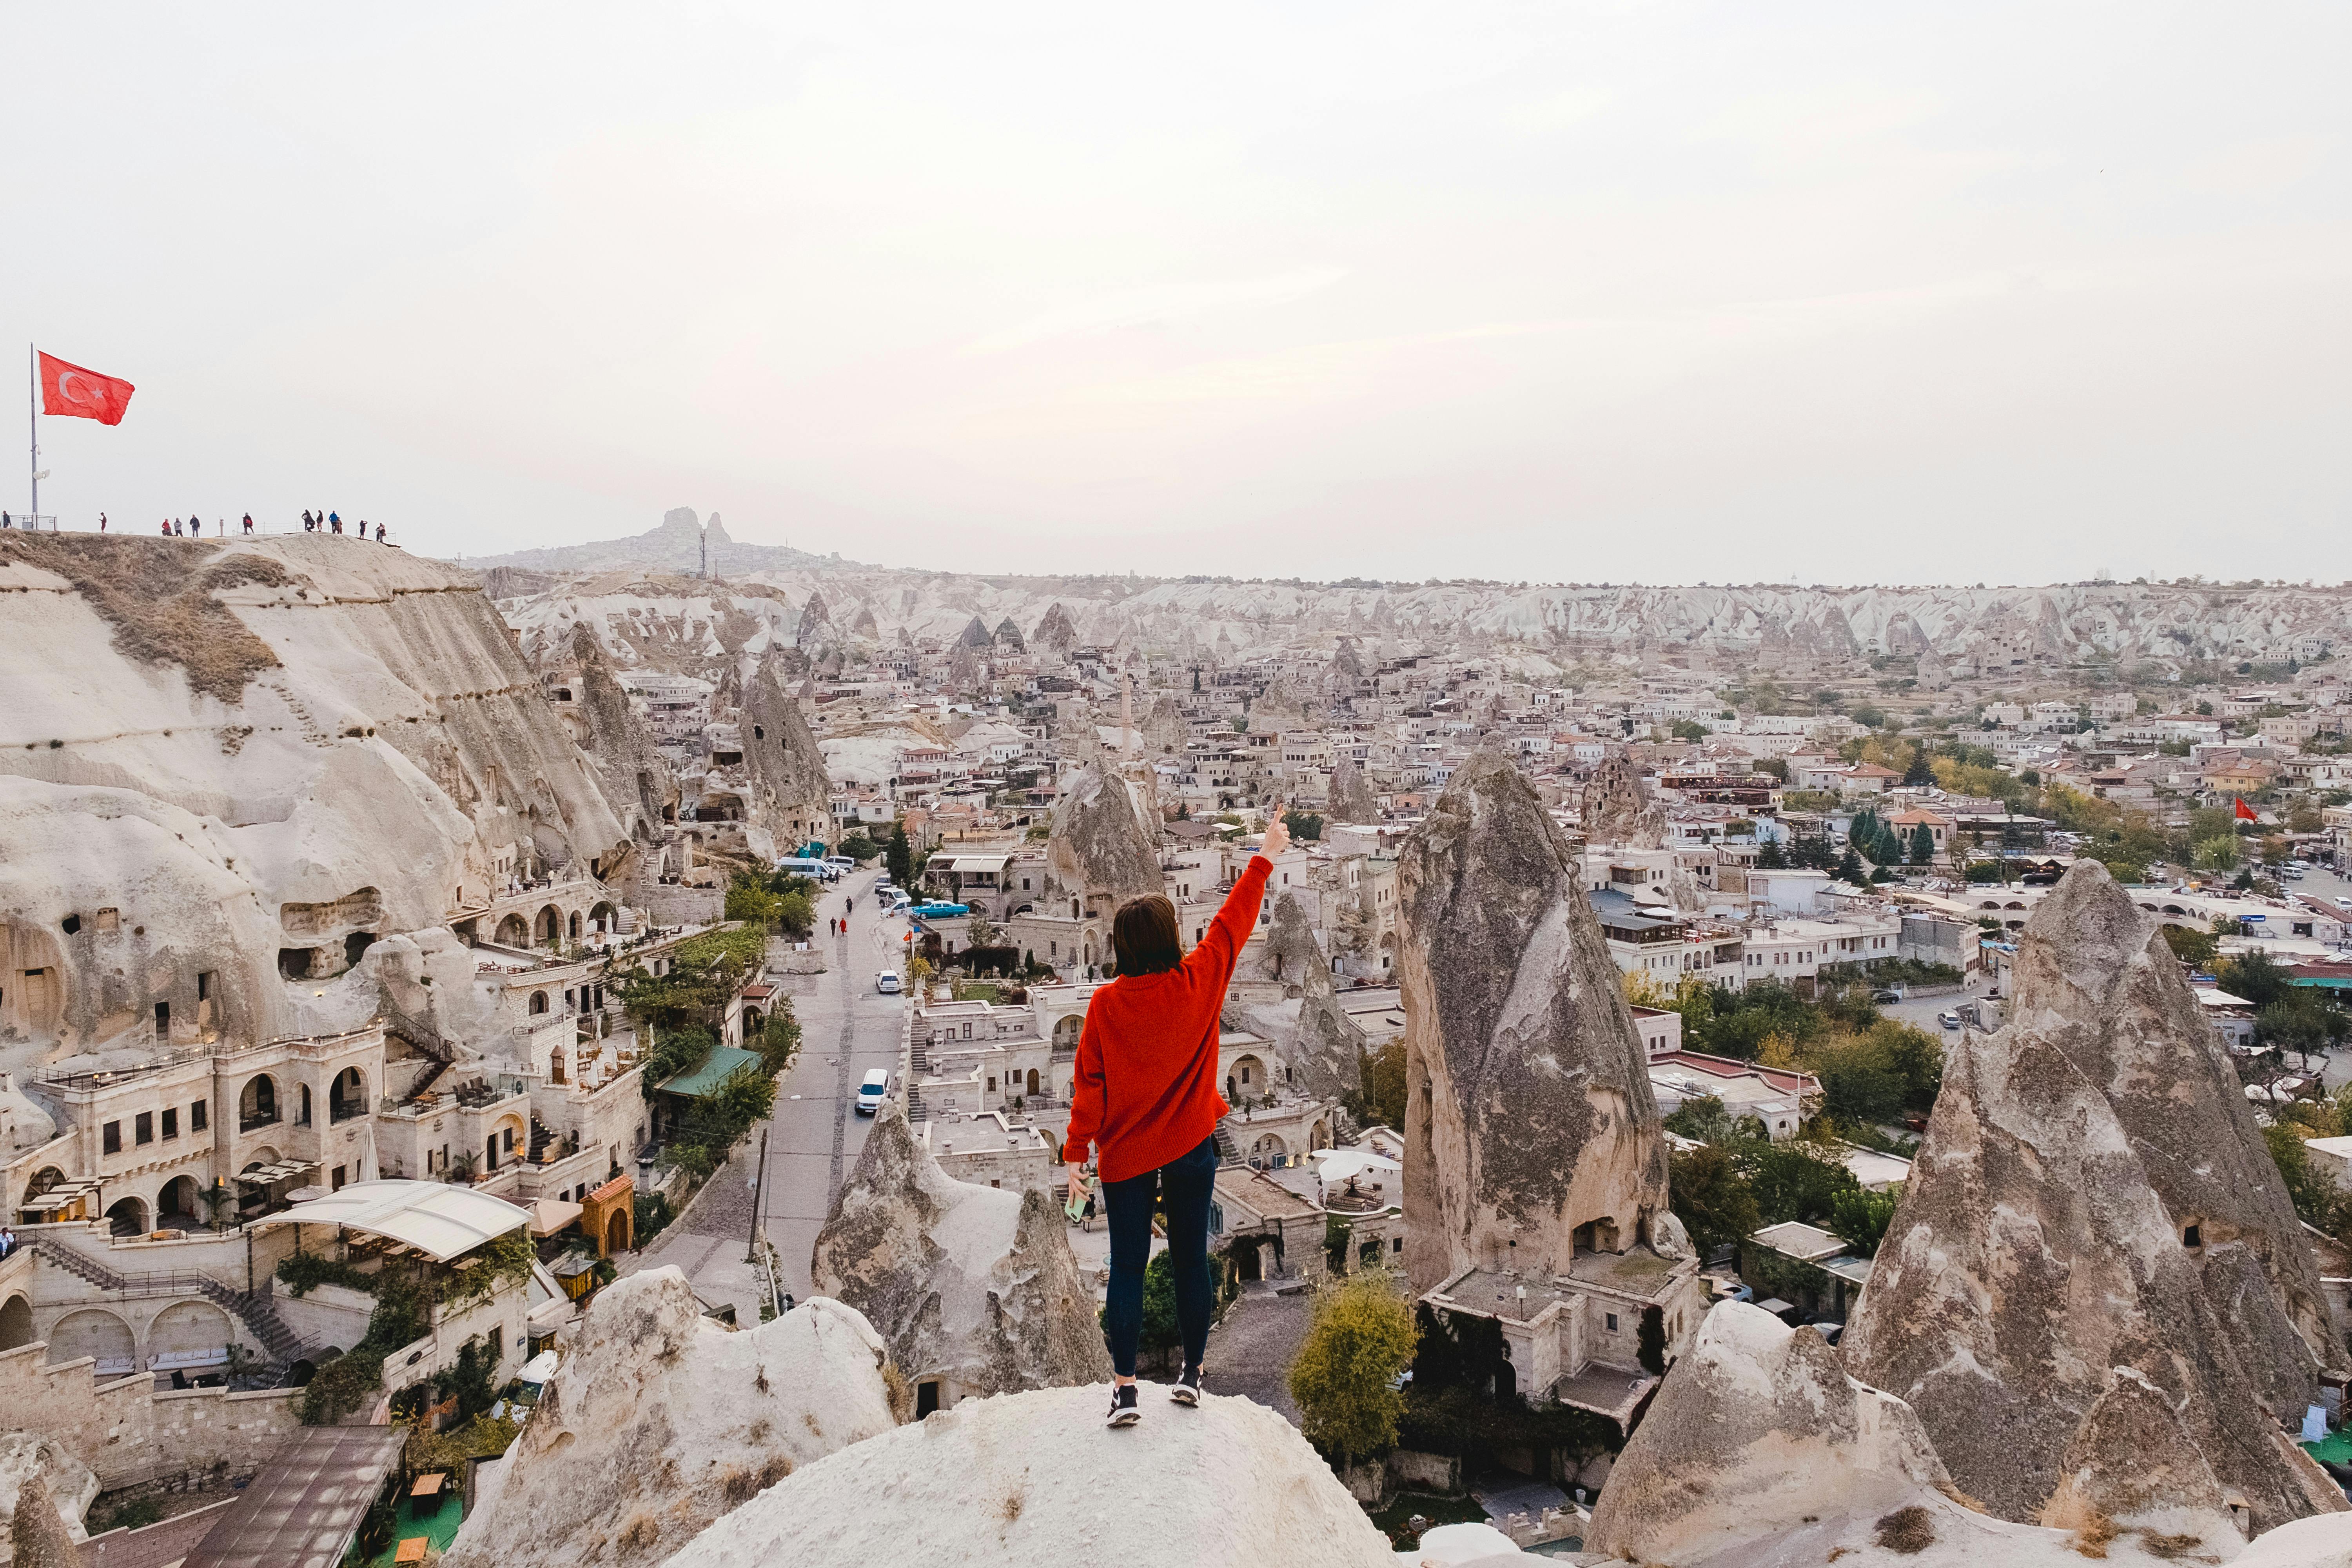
column 698, row 1081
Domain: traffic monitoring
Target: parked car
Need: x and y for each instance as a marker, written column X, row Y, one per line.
column 938, row 909
column 1885, row 996
column 888, row 983
column 870, row 1092
column 1733, row 1290
column 1949, row 1020
column 843, row 861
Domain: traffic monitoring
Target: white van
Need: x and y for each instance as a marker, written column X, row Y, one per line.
column 870, row 1092
column 800, row 866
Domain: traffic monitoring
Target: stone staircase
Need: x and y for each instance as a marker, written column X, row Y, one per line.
column 1228, row 1152
column 279, row 1344
column 915, row 1111
column 542, row 1135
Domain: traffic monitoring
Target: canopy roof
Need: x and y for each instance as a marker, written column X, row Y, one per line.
column 304, row 1508
column 439, row 1220
column 696, row 1082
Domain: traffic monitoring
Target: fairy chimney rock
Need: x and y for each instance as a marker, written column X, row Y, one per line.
column 1530, row 1132
column 1101, row 848
column 2032, row 1254
column 971, row 1286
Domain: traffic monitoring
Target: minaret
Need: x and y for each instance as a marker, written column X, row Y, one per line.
column 702, row 538
column 1126, row 714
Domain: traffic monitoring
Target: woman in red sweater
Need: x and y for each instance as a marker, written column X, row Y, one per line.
column 1146, row 1098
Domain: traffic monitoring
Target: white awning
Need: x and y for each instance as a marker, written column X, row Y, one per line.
column 439, row 1220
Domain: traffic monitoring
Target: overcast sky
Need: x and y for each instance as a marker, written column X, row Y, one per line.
column 1595, row 292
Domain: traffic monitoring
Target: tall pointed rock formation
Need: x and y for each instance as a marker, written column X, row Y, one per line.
column 1529, row 1113
column 2033, row 1258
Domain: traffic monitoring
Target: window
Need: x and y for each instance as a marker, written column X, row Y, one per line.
column 2192, row 1235
column 1613, row 1322
column 338, row 1186
column 199, row 1115
column 142, row 1127
column 110, row 1138
column 171, row 1122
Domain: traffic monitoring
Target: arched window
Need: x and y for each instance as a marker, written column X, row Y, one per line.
column 304, row 1119
column 538, row 1002
column 347, row 1097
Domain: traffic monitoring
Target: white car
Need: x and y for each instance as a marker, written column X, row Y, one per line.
column 888, row 983
column 870, row 1092
column 1949, row 1020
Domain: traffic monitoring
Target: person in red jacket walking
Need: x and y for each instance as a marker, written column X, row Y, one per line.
column 1145, row 1097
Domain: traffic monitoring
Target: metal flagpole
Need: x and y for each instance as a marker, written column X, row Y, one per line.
column 33, row 422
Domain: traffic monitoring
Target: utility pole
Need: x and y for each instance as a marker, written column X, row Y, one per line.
column 759, row 1196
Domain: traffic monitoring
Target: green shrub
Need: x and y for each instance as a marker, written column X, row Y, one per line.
column 305, row 1271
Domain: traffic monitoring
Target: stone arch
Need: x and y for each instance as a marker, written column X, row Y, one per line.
column 512, row 932
column 1249, row 1072
column 179, row 1201
column 93, row 1332
column 572, row 925
column 1033, row 1081
column 128, row 1216
column 347, row 1097
column 548, row 926
column 185, row 1326
column 538, row 1002
column 1066, row 1032
column 604, row 917
column 1318, row 1137
column 17, row 1323
column 302, row 1117
column 1268, row 1147
column 617, row 1235
column 45, row 1180
column 508, row 1140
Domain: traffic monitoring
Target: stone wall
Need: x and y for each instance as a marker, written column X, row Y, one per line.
column 125, row 1431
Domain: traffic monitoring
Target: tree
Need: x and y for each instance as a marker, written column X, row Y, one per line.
column 860, row 848
column 1860, row 1218
column 1919, row 774
column 2253, row 976
column 979, row 930
column 1795, row 1181
column 1770, row 857
column 779, row 1040
column 1303, row 824
column 900, row 856
column 1849, row 868
column 1689, row 730
column 1923, row 846
column 1361, row 1336
column 2193, row 948
column 2217, row 854
column 1711, row 1197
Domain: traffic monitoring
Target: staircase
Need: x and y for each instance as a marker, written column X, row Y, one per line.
column 279, row 1344
column 1228, row 1152
column 542, row 1135
column 915, row 1111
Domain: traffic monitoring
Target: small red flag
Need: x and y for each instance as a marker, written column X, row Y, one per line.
column 2244, row 813
column 78, row 394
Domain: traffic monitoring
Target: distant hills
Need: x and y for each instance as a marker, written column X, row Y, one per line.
column 675, row 546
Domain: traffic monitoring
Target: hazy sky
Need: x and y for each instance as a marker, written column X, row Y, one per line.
column 1658, row 292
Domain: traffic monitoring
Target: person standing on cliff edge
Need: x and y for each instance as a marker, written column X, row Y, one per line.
column 1145, row 1096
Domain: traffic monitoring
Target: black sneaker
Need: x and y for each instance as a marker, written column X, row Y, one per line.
column 1123, row 1411
column 1186, row 1390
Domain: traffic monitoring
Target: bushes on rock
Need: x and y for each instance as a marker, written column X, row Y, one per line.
column 1362, row 1337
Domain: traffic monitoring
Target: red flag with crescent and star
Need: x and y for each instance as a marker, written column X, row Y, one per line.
column 2244, row 813
column 79, row 394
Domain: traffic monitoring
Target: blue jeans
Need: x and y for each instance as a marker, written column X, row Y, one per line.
column 1184, row 1185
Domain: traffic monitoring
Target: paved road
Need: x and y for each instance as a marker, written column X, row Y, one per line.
column 846, row 1028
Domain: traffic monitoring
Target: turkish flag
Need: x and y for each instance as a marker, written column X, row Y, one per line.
column 2244, row 813
column 79, row 394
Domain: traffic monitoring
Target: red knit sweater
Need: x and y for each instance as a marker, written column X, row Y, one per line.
column 1146, row 1091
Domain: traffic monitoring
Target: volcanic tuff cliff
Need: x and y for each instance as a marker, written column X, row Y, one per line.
column 1994, row 629
column 214, row 751
column 974, row 1285
column 1759, row 1452
column 635, row 777
column 2033, row 1260
column 790, row 797
column 1529, row 1113
column 659, row 1421
column 1310, row 1031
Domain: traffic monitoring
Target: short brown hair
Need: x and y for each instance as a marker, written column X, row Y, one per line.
column 1143, row 933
